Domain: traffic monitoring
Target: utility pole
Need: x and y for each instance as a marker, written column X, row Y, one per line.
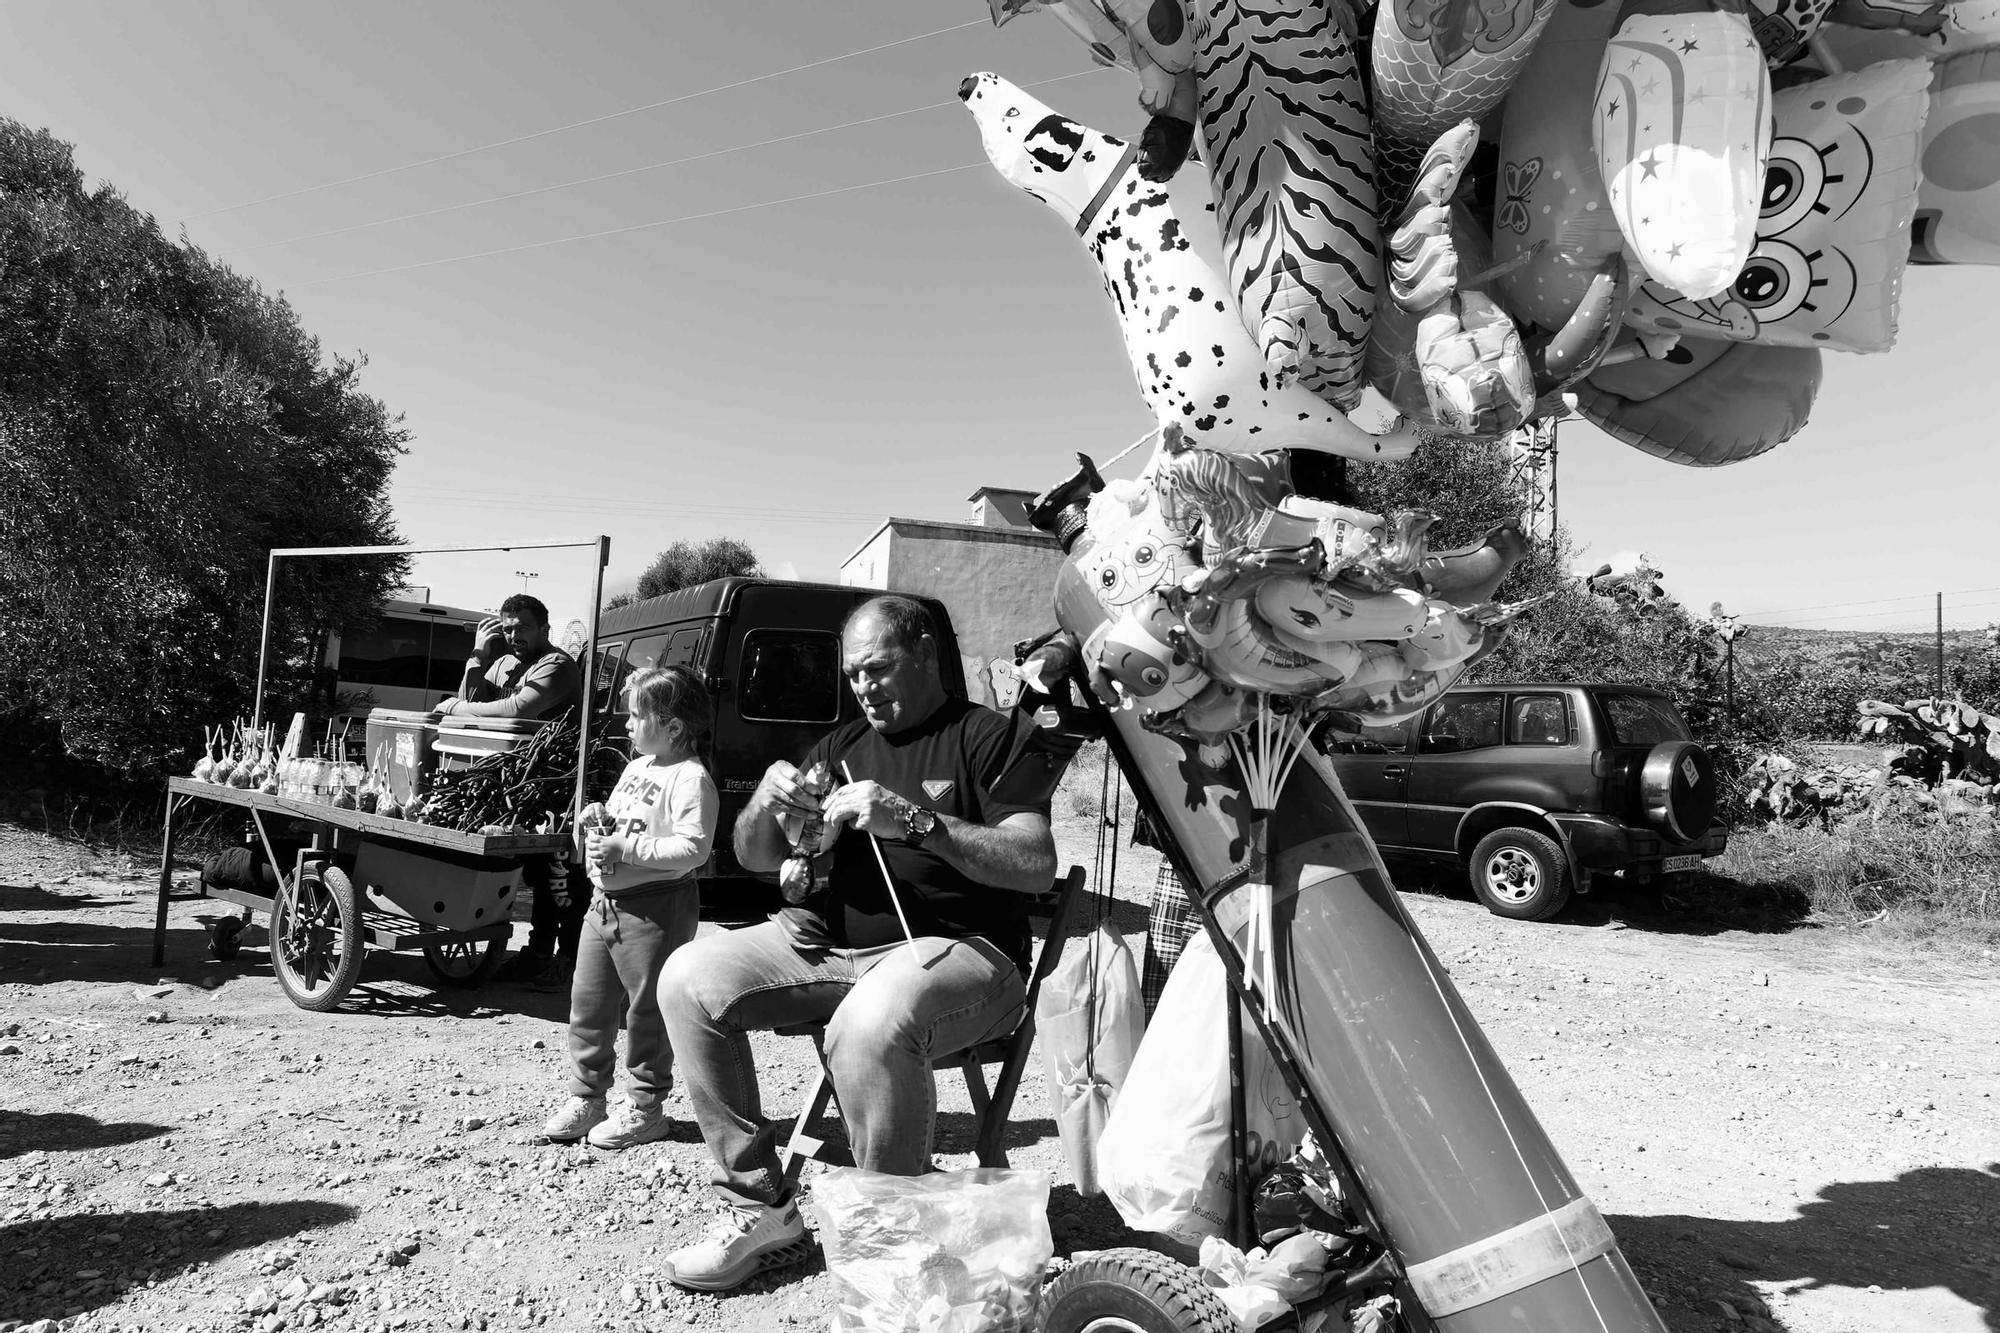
column 1940, row 646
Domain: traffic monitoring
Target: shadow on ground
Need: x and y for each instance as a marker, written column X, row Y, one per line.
column 69, row 1265
column 67, row 1131
column 1707, row 904
column 1930, row 1228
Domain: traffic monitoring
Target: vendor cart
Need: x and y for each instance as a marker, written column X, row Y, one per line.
column 357, row 879
column 363, row 881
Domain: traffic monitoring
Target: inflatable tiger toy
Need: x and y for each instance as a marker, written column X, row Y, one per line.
column 1283, row 120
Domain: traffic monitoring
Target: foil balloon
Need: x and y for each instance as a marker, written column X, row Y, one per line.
column 1707, row 403
column 1469, row 357
column 1284, row 133
column 1683, row 127
column 1437, row 62
column 1827, row 269
column 1783, row 27
column 1958, row 203
column 1472, row 574
column 1969, row 25
column 1151, row 39
column 1196, row 366
column 1553, row 230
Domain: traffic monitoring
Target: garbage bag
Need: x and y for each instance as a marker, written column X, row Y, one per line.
column 1263, row 1285
column 1299, row 1194
column 1165, row 1158
column 1089, row 1018
column 950, row 1252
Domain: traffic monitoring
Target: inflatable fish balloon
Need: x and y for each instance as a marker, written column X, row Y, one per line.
column 1683, row 129
column 1707, row 403
column 1958, row 203
column 1553, row 229
column 1196, row 366
column 1285, row 136
column 1828, row 265
column 1437, row 62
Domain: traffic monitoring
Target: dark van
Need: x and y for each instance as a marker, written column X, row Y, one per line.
column 769, row 651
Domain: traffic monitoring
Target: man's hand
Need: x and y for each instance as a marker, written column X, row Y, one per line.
column 489, row 641
column 782, row 789
column 867, row 806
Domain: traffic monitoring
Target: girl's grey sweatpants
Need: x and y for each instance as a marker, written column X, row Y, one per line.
column 624, row 944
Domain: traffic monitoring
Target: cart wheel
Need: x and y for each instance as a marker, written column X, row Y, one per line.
column 464, row 962
column 316, row 936
column 1133, row 1291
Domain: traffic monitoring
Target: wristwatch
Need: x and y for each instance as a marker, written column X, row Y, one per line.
column 917, row 823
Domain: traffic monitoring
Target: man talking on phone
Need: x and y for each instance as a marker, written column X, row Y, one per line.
column 514, row 671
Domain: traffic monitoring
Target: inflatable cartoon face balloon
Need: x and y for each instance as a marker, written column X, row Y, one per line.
column 1195, row 364
column 1828, row 265
column 1682, row 123
column 1958, row 204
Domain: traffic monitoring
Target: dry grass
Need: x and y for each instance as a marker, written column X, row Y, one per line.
column 1925, row 882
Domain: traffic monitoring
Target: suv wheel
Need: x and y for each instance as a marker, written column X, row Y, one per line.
column 1521, row 874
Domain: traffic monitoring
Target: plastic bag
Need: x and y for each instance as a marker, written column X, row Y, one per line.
column 950, row 1252
column 1089, row 1018
column 1165, row 1158
column 1263, row 1285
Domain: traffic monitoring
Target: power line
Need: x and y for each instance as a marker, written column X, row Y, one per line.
column 1879, row 601
column 581, row 124
column 636, row 171
column 640, row 226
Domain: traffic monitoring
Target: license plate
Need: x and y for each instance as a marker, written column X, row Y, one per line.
column 1673, row 863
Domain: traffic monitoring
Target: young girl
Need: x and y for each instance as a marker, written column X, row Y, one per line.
column 643, row 850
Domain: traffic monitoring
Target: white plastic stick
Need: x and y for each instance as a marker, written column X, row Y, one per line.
column 887, row 878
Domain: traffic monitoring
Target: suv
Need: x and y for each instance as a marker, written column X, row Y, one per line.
column 770, row 654
column 1535, row 788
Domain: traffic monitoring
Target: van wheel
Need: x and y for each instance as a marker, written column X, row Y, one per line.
column 1521, row 874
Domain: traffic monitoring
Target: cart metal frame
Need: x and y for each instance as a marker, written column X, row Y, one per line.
column 377, row 927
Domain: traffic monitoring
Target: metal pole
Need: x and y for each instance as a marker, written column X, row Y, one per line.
column 589, row 702
column 1729, row 667
column 264, row 642
column 1940, row 645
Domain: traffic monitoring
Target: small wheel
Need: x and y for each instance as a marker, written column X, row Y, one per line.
column 316, row 936
column 1133, row 1291
column 464, row 963
column 1520, row 873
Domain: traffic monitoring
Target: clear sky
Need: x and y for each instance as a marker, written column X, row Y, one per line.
column 789, row 374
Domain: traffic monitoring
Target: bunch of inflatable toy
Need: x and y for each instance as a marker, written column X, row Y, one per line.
column 1205, row 588
column 1662, row 210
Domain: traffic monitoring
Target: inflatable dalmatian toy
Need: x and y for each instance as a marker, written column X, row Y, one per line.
column 1195, row 364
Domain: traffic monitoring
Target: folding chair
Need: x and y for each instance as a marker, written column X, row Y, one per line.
column 991, row 1109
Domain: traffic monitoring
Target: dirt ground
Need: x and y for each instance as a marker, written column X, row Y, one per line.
column 1787, row 1128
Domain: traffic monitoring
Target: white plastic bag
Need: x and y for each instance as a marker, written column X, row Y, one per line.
column 1089, row 1019
column 1165, row 1159
column 950, row 1252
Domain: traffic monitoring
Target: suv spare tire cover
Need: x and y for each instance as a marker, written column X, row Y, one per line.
column 1677, row 783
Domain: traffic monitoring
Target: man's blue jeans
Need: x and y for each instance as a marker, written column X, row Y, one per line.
column 887, row 1010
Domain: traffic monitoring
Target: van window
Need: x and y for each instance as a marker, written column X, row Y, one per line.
column 609, row 675
column 1471, row 722
column 1394, row 738
column 1537, row 719
column 682, row 647
column 1640, row 719
column 790, row 676
column 394, row 653
column 451, row 645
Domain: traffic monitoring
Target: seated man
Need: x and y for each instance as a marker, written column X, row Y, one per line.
column 514, row 671
column 918, row 770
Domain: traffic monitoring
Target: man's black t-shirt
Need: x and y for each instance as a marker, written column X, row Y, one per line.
column 947, row 763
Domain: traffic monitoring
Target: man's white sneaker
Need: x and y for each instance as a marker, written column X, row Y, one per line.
column 629, row 1126
column 748, row 1239
column 574, row 1119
